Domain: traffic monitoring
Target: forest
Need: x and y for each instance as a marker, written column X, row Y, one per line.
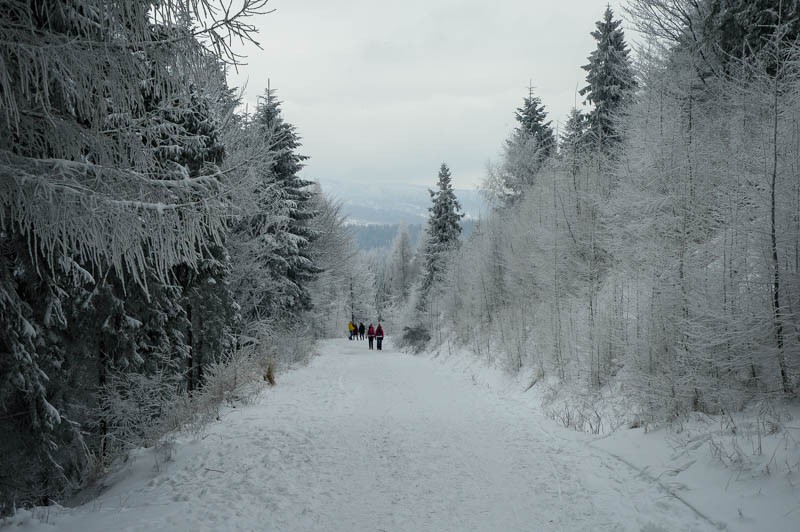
column 652, row 250
column 159, row 248
column 156, row 243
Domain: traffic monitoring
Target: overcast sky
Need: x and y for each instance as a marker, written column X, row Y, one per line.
column 385, row 91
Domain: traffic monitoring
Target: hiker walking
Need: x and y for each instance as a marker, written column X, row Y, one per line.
column 361, row 330
column 371, row 335
column 351, row 327
column 379, row 335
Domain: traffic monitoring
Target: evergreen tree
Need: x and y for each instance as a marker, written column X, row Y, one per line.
column 99, row 203
column 206, row 295
column 533, row 123
column 574, row 138
column 610, row 79
column 531, row 144
column 740, row 29
column 290, row 262
column 575, row 144
column 443, row 229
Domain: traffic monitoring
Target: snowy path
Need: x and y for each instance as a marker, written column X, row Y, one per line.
column 381, row 441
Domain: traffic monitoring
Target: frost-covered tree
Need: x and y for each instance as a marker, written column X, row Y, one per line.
column 532, row 119
column 640, row 275
column 288, row 262
column 721, row 33
column 399, row 271
column 443, row 229
column 336, row 255
column 97, row 207
column 207, row 297
column 260, row 214
column 530, row 145
column 575, row 147
column 730, row 82
column 75, row 119
column 360, row 291
column 741, row 29
column 610, row 81
column 574, row 140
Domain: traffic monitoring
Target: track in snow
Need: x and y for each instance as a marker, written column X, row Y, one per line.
column 382, row 441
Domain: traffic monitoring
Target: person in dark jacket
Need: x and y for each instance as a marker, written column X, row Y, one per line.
column 379, row 335
column 361, row 330
column 371, row 335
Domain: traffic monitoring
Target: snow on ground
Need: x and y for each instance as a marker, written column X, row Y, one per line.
column 742, row 498
column 740, row 471
column 383, row 441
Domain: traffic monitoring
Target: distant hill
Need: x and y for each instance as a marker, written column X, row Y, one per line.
column 390, row 204
column 381, row 236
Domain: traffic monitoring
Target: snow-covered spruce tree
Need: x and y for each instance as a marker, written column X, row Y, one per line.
column 282, row 247
column 117, row 335
column 611, row 82
column 531, row 144
column 610, row 90
column 533, row 122
column 180, row 327
column 207, row 297
column 444, row 229
column 574, row 142
column 85, row 196
column 260, row 213
column 298, row 192
column 443, row 237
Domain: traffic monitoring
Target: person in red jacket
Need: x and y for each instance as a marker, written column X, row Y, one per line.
column 379, row 335
column 370, row 335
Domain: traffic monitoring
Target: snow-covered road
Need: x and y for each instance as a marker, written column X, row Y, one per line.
column 382, row 441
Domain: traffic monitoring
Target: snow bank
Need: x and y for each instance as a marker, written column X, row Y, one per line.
column 740, row 471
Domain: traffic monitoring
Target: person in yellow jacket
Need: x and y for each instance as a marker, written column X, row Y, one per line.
column 352, row 328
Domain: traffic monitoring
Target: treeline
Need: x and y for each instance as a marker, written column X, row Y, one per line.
column 155, row 245
column 654, row 246
column 380, row 237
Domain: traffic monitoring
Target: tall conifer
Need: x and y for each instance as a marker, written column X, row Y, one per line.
column 291, row 263
column 443, row 228
column 533, row 123
column 610, row 79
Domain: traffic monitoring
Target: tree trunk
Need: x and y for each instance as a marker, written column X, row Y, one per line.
column 190, row 360
column 776, row 276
